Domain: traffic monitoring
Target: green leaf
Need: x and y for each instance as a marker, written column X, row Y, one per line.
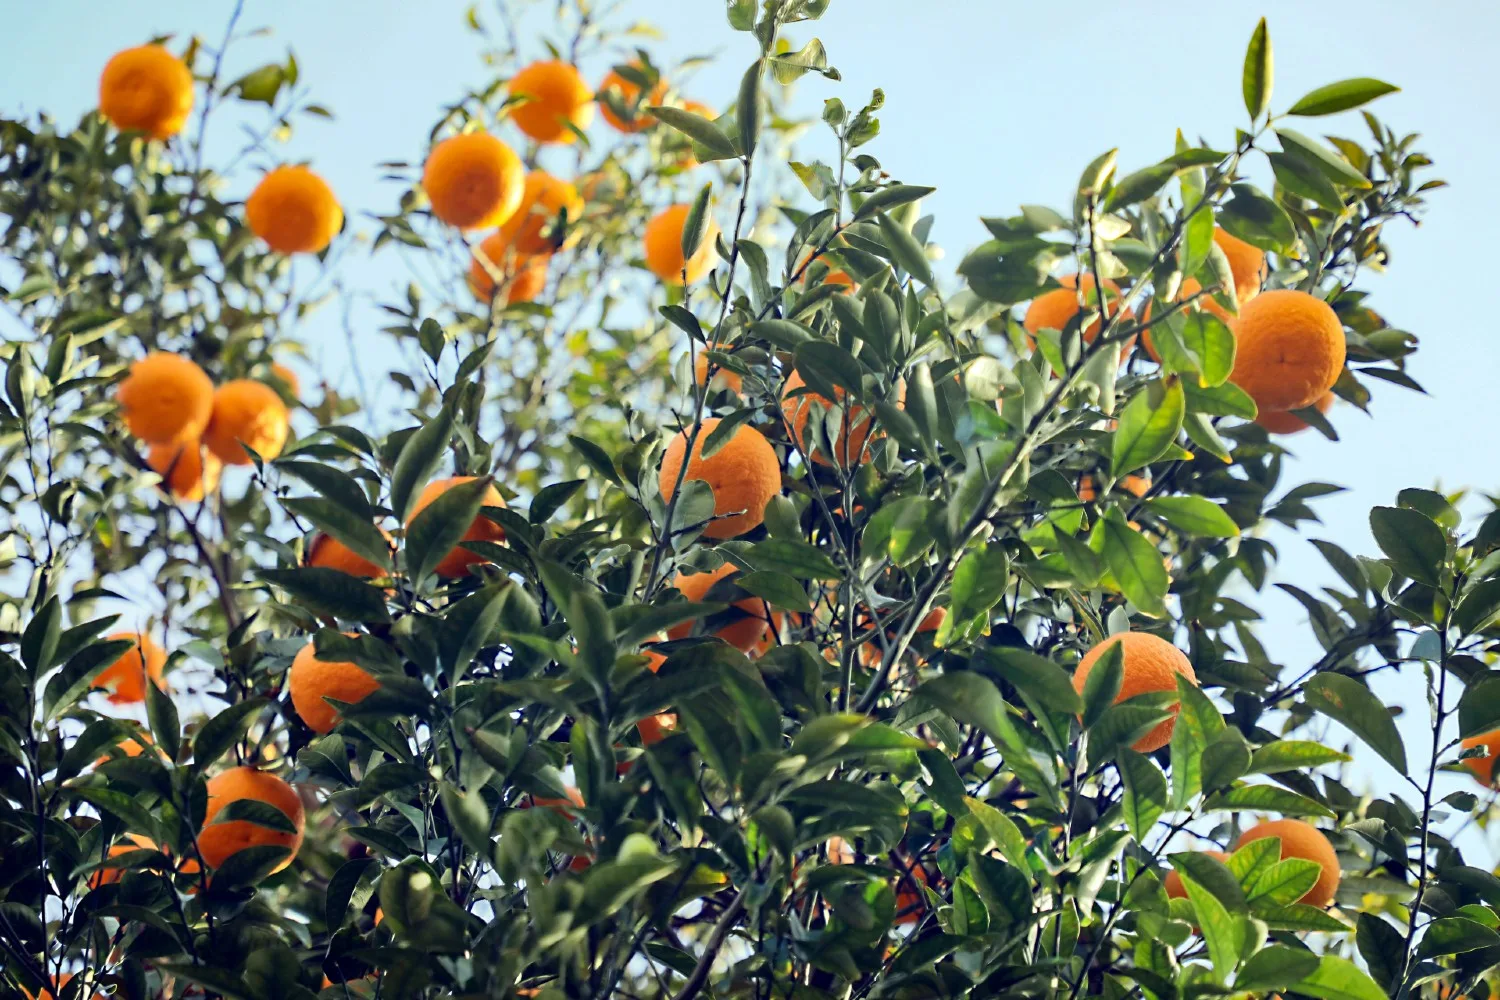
column 747, row 108
column 78, row 674
column 1455, row 936
column 794, row 557
column 778, row 589
column 470, row 816
column 1292, row 755
column 1382, row 947
column 701, row 130
column 1266, row 798
column 549, row 499
column 890, row 197
column 435, row 532
column 1255, row 80
column 1213, row 343
column 1479, row 709
column 1135, row 564
column 136, row 817
column 695, row 226
column 1414, row 544
column 1149, row 424
column 418, row 460
column 1145, row 796
column 1198, row 723
column 1286, row 882
column 972, row 700
column 1337, row 978
column 161, row 711
column 226, row 982
column 1035, row 676
column 333, row 592
column 908, row 253
column 826, row 367
column 39, row 640
column 256, row 812
column 1334, row 167
column 597, row 458
column 1002, row 830
column 1351, row 704
column 221, row 731
column 1102, row 685
column 1275, row 967
column 1194, row 515
column 1258, row 220
column 1137, row 187
column 1227, row 400
column 1224, row 759
column 1222, row 933
column 1332, row 98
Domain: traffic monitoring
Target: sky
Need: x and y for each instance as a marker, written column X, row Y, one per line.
column 995, row 104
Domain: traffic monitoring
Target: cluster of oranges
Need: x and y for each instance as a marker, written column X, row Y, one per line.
column 1289, row 345
column 191, row 428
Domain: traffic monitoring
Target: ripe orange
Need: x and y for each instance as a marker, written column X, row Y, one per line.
column 1246, row 263
column 523, row 275
column 1483, row 768
column 294, row 211
column 1173, row 882
column 1150, row 664
column 543, row 199
column 311, row 680
column 1289, row 349
column 288, row 377
column 165, row 398
column 686, row 160
column 911, row 903
column 744, row 634
column 250, row 414
column 563, row 807
column 474, row 181
column 125, row 679
column 654, row 728
column 133, row 748
column 1052, row 310
column 109, row 876
column 744, row 475
column 330, row 553
column 1287, row 422
column 58, row 987
column 933, row 621
column 637, row 117
column 459, row 561
column 1136, row 486
column 558, row 98
column 663, row 246
column 146, row 89
column 835, row 276
column 1302, row 840
column 219, row 841
column 723, row 377
column 187, row 472
column 857, row 433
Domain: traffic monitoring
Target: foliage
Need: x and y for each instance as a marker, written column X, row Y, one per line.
column 876, row 802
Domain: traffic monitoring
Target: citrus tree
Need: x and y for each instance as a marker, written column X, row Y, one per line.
column 742, row 607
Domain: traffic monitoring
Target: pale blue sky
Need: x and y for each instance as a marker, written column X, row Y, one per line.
column 995, row 103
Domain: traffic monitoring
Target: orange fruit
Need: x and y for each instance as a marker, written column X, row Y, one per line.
column 663, row 244
column 558, row 99
column 722, row 377
column 1136, row 486
column 1302, row 840
column 219, row 841
column 933, row 621
column 687, row 161
column 1052, row 310
column 744, row 475
column 1289, row 349
column 311, row 680
column 330, row 553
column 1483, row 768
column 1173, row 882
column 857, row 432
column 250, row 414
column 294, row 211
column 165, row 398
column 1287, row 422
column 58, row 986
column 1246, row 263
column 629, row 95
column 563, row 807
column 523, row 275
column 1150, row 664
column 544, row 199
column 125, row 679
column 743, row 634
column 288, row 378
column 146, row 89
column 911, row 903
column 834, row 276
column 186, row 471
column 133, row 748
column 459, row 561
column 474, row 181
column 109, row 876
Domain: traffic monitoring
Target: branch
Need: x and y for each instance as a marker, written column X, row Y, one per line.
column 727, row 920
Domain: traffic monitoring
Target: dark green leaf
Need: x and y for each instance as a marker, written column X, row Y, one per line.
column 1332, row 98
column 418, row 460
column 1149, row 424
column 1351, row 704
column 331, row 592
column 1257, row 75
